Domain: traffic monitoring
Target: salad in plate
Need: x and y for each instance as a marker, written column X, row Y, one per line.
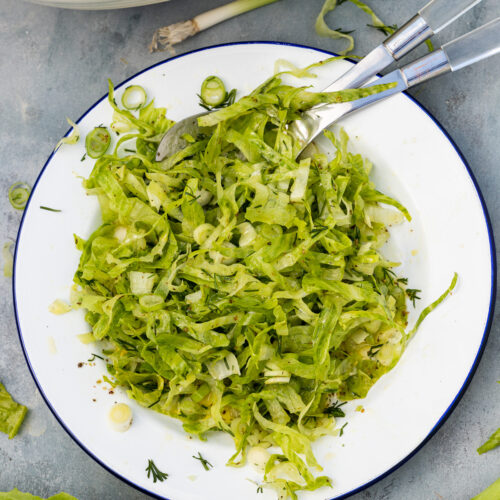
column 235, row 287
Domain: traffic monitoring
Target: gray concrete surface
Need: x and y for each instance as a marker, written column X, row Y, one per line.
column 53, row 64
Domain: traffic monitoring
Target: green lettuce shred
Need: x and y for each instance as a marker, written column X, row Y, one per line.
column 11, row 413
column 322, row 28
column 15, row 494
column 492, row 443
column 8, row 258
column 490, row 493
column 434, row 304
column 239, row 289
column 73, row 138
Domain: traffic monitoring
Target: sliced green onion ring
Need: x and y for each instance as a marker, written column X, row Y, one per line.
column 19, row 193
column 97, row 142
column 213, row 91
column 134, row 97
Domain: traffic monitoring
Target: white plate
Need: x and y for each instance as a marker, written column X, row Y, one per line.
column 415, row 161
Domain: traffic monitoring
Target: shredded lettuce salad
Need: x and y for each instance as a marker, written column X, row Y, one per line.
column 238, row 289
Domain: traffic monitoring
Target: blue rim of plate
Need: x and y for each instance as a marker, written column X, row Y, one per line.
column 479, row 354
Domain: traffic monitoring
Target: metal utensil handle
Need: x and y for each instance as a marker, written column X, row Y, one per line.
column 431, row 19
column 440, row 13
column 468, row 49
column 408, row 37
column 474, row 46
column 425, row 68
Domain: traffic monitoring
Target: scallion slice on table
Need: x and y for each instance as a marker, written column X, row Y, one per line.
column 19, row 193
column 134, row 97
column 164, row 38
column 97, row 142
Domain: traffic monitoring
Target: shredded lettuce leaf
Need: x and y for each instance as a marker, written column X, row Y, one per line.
column 11, row 413
column 322, row 28
column 490, row 493
column 15, row 494
column 73, row 138
column 376, row 21
column 492, row 443
column 8, row 259
column 434, row 304
column 237, row 288
column 59, row 307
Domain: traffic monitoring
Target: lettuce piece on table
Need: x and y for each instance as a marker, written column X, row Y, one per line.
column 11, row 413
column 15, row 494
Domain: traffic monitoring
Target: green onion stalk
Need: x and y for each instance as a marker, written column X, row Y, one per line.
column 168, row 36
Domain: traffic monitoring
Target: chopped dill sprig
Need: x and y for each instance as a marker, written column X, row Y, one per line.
column 157, row 474
column 206, row 464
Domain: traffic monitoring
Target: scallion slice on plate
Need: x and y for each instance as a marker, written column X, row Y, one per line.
column 134, row 97
column 97, row 142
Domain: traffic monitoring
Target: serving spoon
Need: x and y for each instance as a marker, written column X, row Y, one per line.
column 459, row 53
